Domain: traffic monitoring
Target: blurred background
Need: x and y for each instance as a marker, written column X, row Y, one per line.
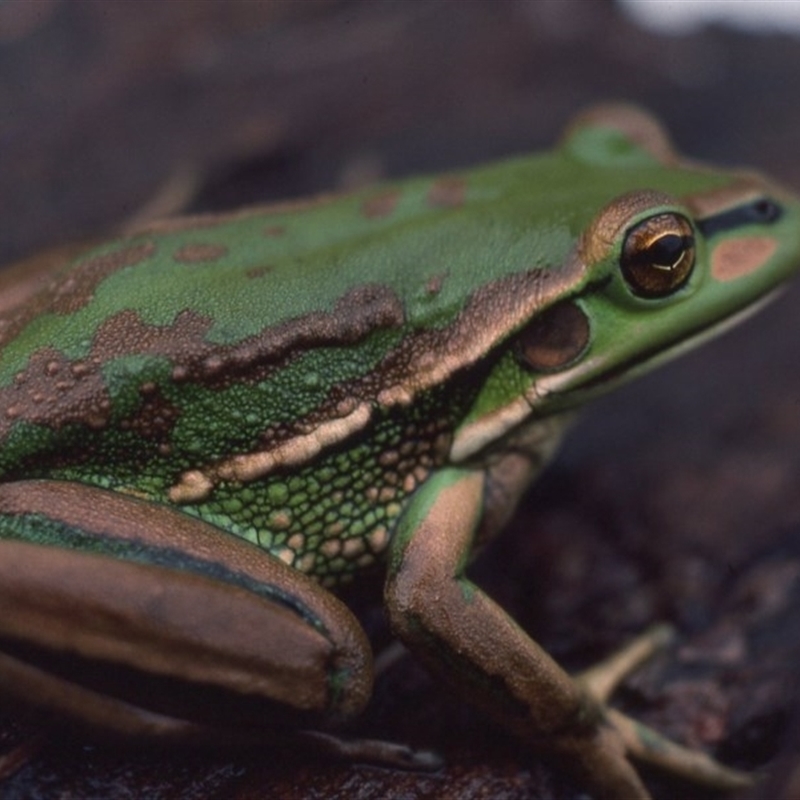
column 675, row 498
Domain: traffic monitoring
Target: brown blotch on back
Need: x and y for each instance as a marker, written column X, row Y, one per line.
column 195, row 359
column 124, row 333
column 68, row 291
column 257, row 272
column 74, row 289
column 25, row 279
column 55, row 392
column 447, row 192
column 155, row 417
column 274, row 230
column 434, row 284
column 379, row 308
column 199, row 253
column 380, row 205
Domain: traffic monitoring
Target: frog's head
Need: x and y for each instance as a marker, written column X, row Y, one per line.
column 665, row 253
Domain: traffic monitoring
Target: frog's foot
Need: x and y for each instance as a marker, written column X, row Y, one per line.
column 645, row 744
column 371, row 751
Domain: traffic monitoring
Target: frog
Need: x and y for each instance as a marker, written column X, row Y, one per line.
column 210, row 424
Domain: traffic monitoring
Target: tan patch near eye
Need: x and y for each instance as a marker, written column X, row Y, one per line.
column 738, row 257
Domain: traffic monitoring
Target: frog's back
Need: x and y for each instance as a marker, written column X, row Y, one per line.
column 207, row 361
column 217, row 303
column 247, row 272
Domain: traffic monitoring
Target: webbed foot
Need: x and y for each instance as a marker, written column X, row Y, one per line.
column 640, row 742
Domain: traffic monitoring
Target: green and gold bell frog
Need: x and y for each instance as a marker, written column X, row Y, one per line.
column 209, row 424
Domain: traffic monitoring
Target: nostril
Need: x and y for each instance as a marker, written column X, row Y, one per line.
column 766, row 210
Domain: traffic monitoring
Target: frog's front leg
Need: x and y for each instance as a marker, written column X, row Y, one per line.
column 130, row 616
column 463, row 635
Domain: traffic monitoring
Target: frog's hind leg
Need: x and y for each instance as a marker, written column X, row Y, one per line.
column 644, row 743
column 132, row 617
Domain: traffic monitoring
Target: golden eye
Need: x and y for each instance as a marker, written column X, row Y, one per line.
column 658, row 255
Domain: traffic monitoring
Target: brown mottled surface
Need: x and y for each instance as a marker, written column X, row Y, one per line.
column 674, row 499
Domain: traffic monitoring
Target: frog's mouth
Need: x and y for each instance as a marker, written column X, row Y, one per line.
column 570, row 381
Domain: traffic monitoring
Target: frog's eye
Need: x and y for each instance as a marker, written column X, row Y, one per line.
column 658, row 255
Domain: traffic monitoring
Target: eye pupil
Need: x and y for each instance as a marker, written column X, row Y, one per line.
column 658, row 255
column 667, row 251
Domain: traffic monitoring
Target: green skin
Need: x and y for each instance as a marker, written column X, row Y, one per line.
column 216, row 417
